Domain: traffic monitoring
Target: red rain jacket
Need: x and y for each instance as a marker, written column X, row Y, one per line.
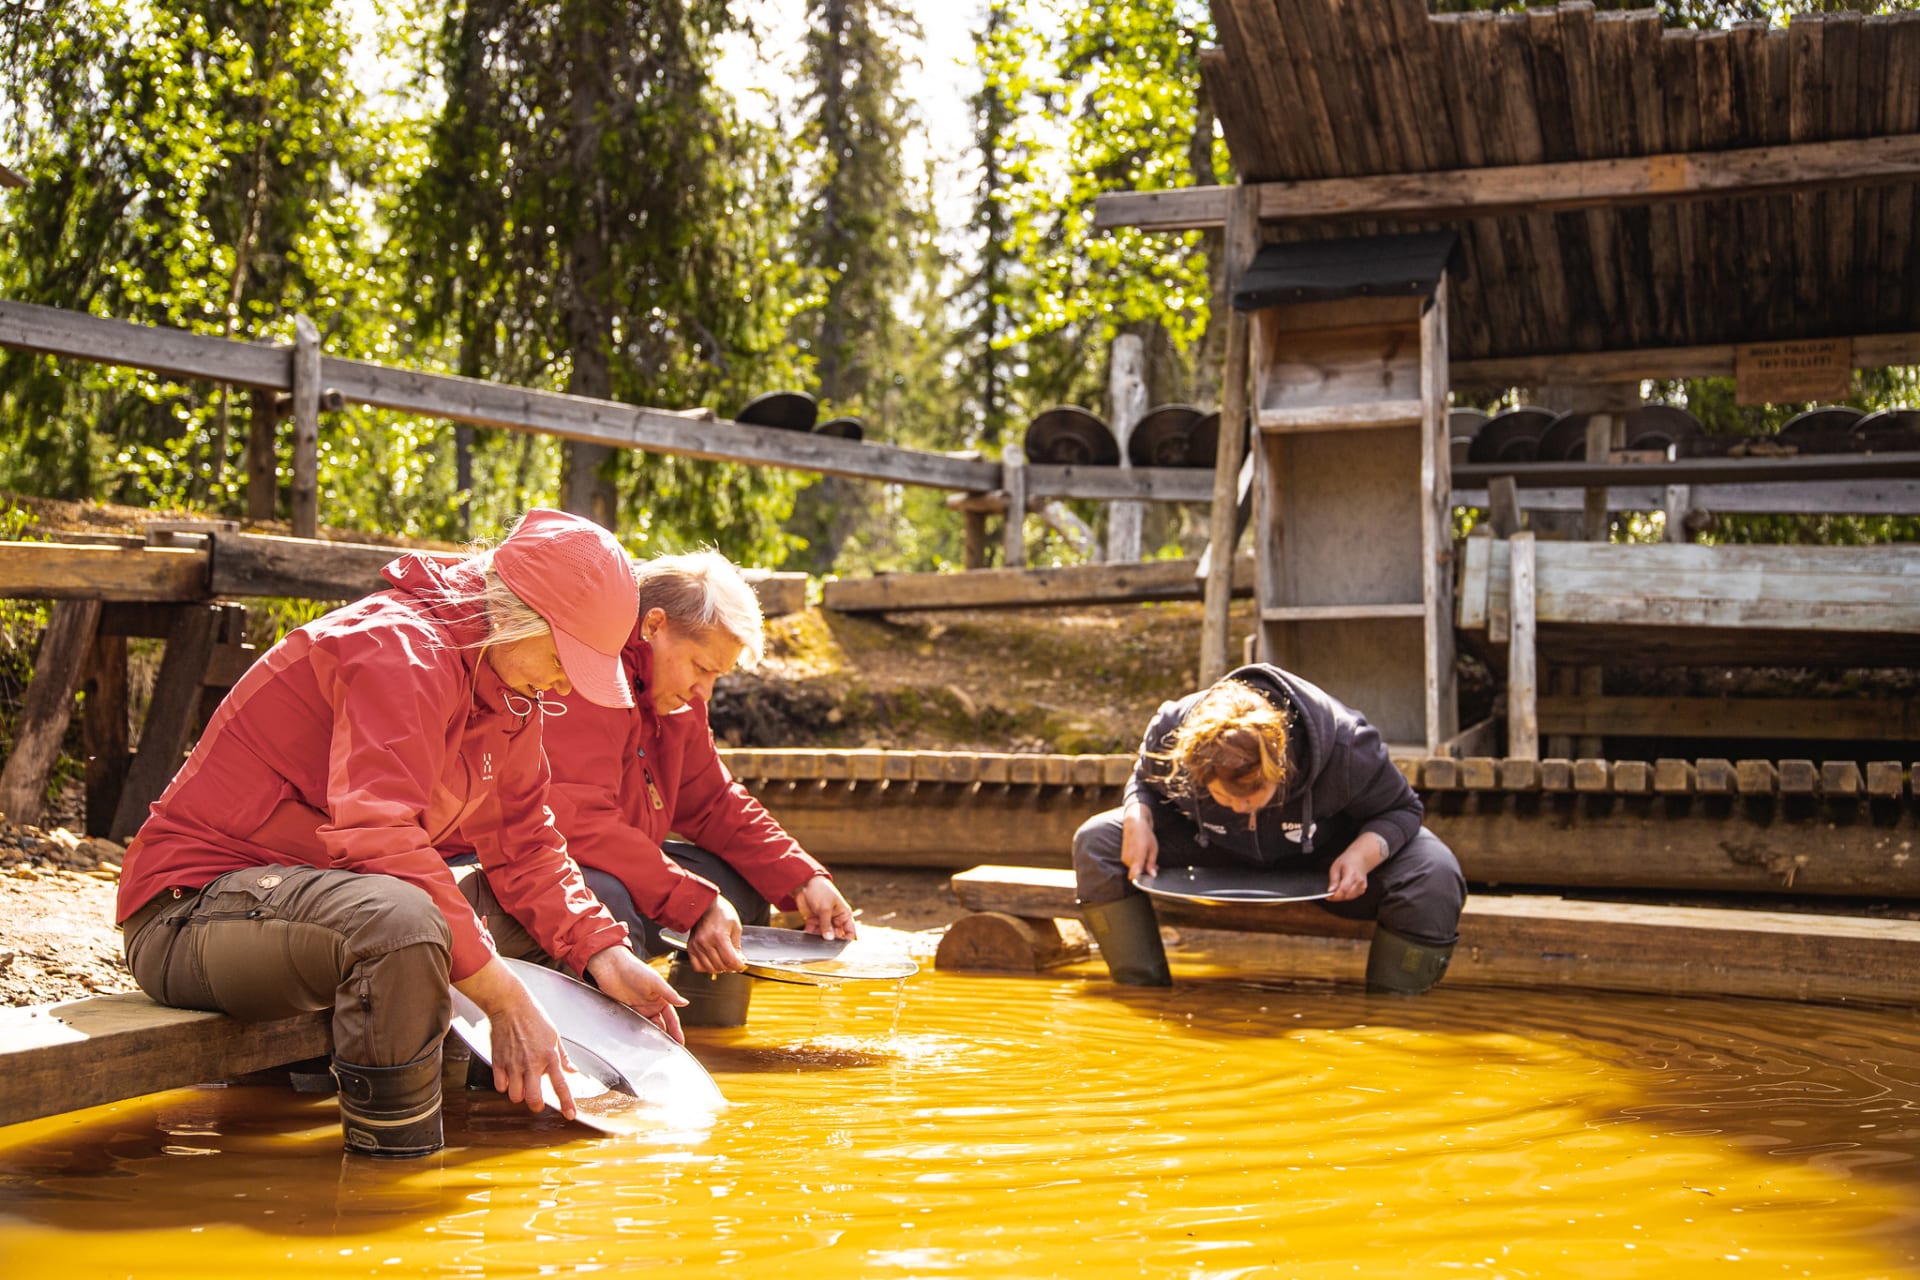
column 371, row 740
column 623, row 779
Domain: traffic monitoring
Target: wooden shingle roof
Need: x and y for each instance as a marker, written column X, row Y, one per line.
column 1314, row 89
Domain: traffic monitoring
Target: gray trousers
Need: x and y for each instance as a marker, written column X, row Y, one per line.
column 1417, row 893
column 746, row 900
column 271, row 942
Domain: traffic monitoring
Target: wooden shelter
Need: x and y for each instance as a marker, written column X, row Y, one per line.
column 1629, row 201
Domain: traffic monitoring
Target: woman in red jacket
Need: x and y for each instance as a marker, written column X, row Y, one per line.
column 623, row 779
column 296, row 861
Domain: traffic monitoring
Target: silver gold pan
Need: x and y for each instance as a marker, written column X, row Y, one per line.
column 628, row 1074
column 788, row 955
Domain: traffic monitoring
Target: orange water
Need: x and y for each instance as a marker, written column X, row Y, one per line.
column 1050, row 1126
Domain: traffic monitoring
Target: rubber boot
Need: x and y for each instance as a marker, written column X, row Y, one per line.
column 1399, row 967
column 1129, row 936
column 391, row 1111
column 713, row 999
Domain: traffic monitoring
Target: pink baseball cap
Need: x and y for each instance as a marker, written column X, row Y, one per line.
column 571, row 572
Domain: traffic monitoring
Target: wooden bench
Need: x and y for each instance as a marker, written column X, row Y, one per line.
column 1512, row 941
column 63, row 1057
column 1679, row 605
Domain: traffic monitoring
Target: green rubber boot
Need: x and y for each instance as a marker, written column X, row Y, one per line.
column 1398, row 967
column 391, row 1111
column 1129, row 936
column 713, row 999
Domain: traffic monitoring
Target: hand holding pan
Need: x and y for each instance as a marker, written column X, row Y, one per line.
column 1236, row 886
column 788, row 955
column 626, row 1070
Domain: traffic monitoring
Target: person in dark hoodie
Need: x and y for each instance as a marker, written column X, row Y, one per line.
column 1264, row 769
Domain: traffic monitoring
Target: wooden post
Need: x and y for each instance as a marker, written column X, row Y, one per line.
column 1014, row 534
column 1127, row 390
column 263, row 486
column 172, row 714
column 1603, row 435
column 306, row 428
column 47, row 707
column 975, row 552
column 1241, row 243
column 104, row 731
column 1436, row 541
column 1679, row 502
column 1523, row 702
column 1503, row 506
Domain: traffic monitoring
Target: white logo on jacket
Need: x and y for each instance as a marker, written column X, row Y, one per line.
column 486, row 766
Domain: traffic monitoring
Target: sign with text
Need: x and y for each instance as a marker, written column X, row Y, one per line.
column 1771, row 372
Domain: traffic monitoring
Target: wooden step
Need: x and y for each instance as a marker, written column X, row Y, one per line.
column 1538, row 941
column 64, row 1057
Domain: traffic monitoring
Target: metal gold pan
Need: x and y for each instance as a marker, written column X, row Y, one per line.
column 613, row 1049
column 1234, row 886
column 788, row 955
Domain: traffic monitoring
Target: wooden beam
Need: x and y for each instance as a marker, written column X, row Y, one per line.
column 47, row 708
column 1533, row 188
column 54, row 571
column 1823, row 466
column 1809, row 497
column 63, row 1057
column 1818, row 719
column 1223, row 525
column 172, row 716
column 305, row 505
column 1870, row 351
column 1027, row 588
column 8, row 178
column 1541, row 941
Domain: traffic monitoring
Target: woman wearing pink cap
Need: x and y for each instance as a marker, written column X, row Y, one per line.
column 295, row 861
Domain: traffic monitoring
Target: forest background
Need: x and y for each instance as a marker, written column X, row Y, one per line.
column 565, row 194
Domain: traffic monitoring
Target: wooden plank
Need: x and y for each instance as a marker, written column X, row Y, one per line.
column 1439, row 774
column 1840, row 780
column 172, row 716
column 55, row 571
column 1342, row 417
column 1013, row 526
column 174, row 353
column 1439, row 679
column 47, row 708
column 1672, row 777
column 1798, row 778
column 1807, row 121
column 1843, row 289
column 1822, row 719
column 1797, row 167
column 1241, row 243
column 1870, row 351
column 1791, row 470
column 1114, row 484
column 263, row 485
column 1556, row 775
column 82, row 1053
column 1715, row 777
column 1886, row 779
column 1590, row 775
column 1476, row 561
column 1519, row 775
column 1819, row 497
column 1632, row 777
column 1027, row 588
column 1530, row 940
column 1755, row 777
column 1480, row 773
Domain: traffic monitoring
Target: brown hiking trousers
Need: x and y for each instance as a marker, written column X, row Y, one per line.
column 271, row 942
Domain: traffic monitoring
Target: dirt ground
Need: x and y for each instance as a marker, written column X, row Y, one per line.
column 57, row 940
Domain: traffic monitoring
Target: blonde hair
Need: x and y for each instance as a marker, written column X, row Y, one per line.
column 703, row 592
column 1230, row 735
column 472, row 589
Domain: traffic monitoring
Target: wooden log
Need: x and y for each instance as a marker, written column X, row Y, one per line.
column 63, row 1057
column 54, row 571
column 47, row 708
column 999, row 942
column 171, row 716
column 1027, row 588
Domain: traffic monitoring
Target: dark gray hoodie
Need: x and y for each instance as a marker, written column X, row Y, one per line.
column 1340, row 780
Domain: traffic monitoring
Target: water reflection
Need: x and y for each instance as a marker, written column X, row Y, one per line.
column 1056, row 1126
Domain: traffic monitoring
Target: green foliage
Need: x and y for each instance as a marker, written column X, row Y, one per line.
column 1123, row 76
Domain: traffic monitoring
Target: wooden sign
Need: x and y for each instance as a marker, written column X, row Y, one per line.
column 1772, row 372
